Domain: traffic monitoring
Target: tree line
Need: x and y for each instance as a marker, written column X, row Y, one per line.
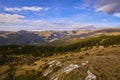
column 45, row 51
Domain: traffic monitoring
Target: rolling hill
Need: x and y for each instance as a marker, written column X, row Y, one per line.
column 96, row 57
column 51, row 37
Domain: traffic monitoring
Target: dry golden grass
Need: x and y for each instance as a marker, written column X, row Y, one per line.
column 23, row 68
column 105, row 67
column 3, row 68
column 103, row 62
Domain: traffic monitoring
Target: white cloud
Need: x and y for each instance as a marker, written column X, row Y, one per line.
column 12, row 9
column 46, row 25
column 34, row 8
column 86, row 5
column 11, row 18
column 25, row 8
column 17, row 22
column 117, row 14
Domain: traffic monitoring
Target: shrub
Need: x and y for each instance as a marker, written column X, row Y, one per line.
column 32, row 75
column 81, row 57
column 87, row 54
column 10, row 76
column 56, row 69
column 45, row 66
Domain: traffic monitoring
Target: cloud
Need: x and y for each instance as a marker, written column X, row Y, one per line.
column 86, row 5
column 111, row 7
column 117, row 14
column 11, row 18
column 57, row 24
column 108, row 6
column 104, row 20
column 25, row 8
column 12, row 9
column 18, row 22
column 84, row 26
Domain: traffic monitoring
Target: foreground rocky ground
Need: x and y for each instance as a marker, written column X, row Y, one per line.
column 95, row 64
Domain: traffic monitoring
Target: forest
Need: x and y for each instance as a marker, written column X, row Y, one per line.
column 45, row 51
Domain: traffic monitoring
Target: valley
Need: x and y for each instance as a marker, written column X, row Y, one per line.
column 59, row 39
column 51, row 38
column 92, row 58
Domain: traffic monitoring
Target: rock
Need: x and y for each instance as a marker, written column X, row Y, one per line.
column 58, row 63
column 47, row 72
column 70, row 68
column 52, row 62
column 55, row 62
column 84, row 63
column 90, row 76
column 54, row 78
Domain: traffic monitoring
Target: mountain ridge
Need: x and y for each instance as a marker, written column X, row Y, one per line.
column 40, row 37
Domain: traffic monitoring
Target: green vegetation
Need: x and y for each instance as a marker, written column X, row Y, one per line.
column 56, row 69
column 31, row 75
column 5, row 59
column 87, row 54
column 45, row 66
column 10, row 76
column 45, row 51
column 81, row 57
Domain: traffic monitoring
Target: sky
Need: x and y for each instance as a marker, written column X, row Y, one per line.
column 58, row 14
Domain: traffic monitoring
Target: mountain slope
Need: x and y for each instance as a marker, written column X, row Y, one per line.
column 51, row 38
column 96, row 58
column 21, row 37
column 102, row 63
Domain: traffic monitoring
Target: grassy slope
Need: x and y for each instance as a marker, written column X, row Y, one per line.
column 103, row 62
column 46, row 51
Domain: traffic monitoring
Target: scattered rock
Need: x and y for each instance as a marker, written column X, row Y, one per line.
column 87, row 62
column 55, row 62
column 47, row 72
column 58, row 63
column 52, row 62
column 84, row 63
column 70, row 68
column 54, row 78
column 90, row 76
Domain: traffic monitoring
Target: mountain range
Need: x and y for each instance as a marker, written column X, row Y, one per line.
column 48, row 37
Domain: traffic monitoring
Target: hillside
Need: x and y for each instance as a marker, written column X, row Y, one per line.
column 98, row 63
column 34, row 37
column 51, row 35
column 19, row 38
column 59, row 39
column 95, row 57
column 52, row 38
column 44, row 51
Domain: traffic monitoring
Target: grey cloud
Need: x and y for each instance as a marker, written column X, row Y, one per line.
column 108, row 6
